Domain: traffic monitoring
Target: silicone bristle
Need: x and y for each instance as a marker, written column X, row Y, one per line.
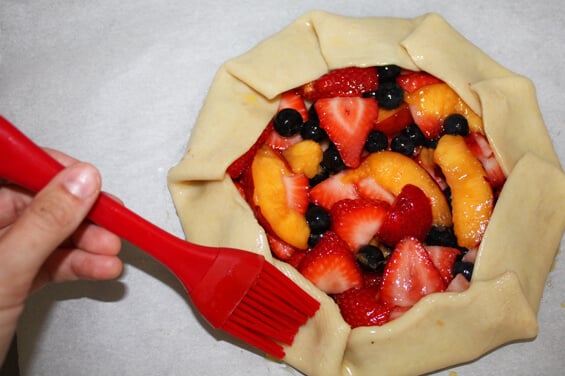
column 272, row 312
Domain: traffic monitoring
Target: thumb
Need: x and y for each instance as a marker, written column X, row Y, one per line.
column 52, row 216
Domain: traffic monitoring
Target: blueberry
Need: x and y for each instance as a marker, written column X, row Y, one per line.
column 312, row 114
column 403, row 144
column 376, row 141
column 443, row 236
column 332, row 160
column 318, row 219
column 288, row 122
column 463, row 267
column 456, row 124
column 314, row 239
column 414, row 133
column 388, row 73
column 432, row 144
column 370, row 258
column 320, row 176
column 390, row 95
column 311, row 131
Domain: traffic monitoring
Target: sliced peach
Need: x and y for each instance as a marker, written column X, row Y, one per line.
column 393, row 171
column 281, row 197
column 431, row 104
column 305, row 157
column 471, row 194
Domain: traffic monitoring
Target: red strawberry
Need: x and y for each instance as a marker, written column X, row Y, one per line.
column 391, row 122
column 278, row 142
column 348, row 121
column 426, row 159
column 296, row 187
column 292, row 99
column 331, row 266
column 296, row 258
column 281, row 249
column 443, row 259
column 357, row 221
column 244, row 161
column 369, row 188
column 410, row 215
column 332, row 190
column 415, row 80
column 344, row 82
column 409, row 275
column 458, row 284
column 481, row 149
column 372, row 279
column 361, row 307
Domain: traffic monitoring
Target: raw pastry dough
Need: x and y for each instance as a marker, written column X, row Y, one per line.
column 520, row 243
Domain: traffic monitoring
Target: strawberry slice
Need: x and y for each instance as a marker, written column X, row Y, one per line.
column 370, row 188
column 357, row 221
column 296, row 258
column 296, row 189
column 426, row 159
column 331, row 266
column 481, row 149
column 443, row 259
column 282, row 250
column 332, row 190
column 415, row 80
column 409, row 275
column 348, row 121
column 392, row 122
column 410, row 215
column 458, row 284
column 278, row 142
column 343, row 82
column 361, row 307
column 292, row 99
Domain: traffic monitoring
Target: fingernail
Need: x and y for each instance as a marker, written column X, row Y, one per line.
column 82, row 182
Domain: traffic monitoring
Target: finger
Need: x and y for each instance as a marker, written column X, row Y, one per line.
column 62, row 158
column 74, row 264
column 51, row 217
column 97, row 240
column 13, row 201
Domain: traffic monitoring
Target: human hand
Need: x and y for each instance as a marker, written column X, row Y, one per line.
column 44, row 238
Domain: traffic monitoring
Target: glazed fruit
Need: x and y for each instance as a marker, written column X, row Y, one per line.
column 379, row 192
column 280, row 197
column 432, row 104
column 331, row 266
column 347, row 121
column 471, row 194
column 345, row 82
column 393, row 171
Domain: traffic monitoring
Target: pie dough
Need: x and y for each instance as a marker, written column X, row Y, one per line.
column 519, row 245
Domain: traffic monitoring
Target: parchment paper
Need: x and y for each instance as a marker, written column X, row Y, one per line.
column 119, row 83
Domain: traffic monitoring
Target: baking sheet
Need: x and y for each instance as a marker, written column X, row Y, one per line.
column 119, row 83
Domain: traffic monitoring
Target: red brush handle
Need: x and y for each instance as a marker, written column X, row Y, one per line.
column 26, row 164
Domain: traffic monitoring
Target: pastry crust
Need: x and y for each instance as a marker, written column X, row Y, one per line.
column 518, row 248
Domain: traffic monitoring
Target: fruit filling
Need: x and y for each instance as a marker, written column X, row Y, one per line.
column 377, row 184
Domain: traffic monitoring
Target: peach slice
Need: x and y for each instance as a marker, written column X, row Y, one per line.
column 281, row 197
column 393, row 171
column 431, row 104
column 304, row 157
column 471, row 195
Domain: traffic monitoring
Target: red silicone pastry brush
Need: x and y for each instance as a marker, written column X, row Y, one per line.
column 236, row 291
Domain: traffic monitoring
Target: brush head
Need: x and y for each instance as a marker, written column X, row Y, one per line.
column 249, row 298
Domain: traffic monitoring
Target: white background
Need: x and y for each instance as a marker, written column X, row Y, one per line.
column 119, row 83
